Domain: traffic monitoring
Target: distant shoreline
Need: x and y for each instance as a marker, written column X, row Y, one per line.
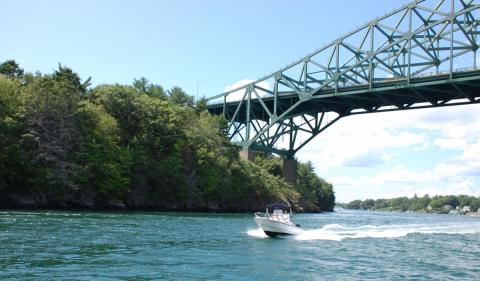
column 439, row 204
column 139, row 210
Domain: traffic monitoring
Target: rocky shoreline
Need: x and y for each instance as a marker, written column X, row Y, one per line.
column 41, row 202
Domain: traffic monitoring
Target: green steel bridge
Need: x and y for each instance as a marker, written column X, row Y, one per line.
column 421, row 55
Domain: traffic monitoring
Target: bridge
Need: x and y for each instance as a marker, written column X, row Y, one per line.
column 421, row 55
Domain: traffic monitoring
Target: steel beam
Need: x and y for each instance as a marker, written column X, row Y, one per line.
column 403, row 60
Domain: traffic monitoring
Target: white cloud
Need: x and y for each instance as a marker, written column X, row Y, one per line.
column 377, row 143
column 367, row 159
column 452, row 176
column 463, row 187
column 360, row 138
column 400, row 175
column 450, row 143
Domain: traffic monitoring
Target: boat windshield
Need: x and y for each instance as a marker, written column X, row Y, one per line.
column 278, row 206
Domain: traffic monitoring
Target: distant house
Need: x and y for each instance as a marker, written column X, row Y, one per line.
column 447, row 207
column 466, row 209
column 429, row 208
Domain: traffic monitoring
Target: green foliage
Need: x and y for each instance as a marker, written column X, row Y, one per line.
column 141, row 84
column 105, row 164
column 201, row 105
column 314, row 190
column 273, row 165
column 178, row 96
column 51, row 102
column 314, row 193
column 425, row 203
column 19, row 169
column 152, row 90
column 152, row 129
column 11, row 69
column 65, row 144
column 66, row 75
column 355, row 205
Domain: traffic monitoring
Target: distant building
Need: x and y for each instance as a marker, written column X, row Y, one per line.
column 447, row 207
column 429, row 208
column 466, row 209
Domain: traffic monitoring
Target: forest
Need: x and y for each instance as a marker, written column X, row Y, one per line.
column 67, row 145
column 426, row 203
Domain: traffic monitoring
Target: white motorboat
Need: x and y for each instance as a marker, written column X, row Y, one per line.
column 276, row 220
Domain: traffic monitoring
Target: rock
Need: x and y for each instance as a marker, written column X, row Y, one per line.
column 117, row 205
column 23, row 201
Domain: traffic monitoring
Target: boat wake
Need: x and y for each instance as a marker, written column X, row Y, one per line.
column 336, row 232
column 257, row 233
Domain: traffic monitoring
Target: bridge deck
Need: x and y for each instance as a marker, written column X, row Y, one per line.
column 393, row 94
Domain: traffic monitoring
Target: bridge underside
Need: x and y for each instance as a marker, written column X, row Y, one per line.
column 306, row 114
column 406, row 59
column 427, row 92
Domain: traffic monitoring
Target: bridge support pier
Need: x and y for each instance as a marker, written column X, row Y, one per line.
column 289, row 165
column 247, row 155
column 290, row 170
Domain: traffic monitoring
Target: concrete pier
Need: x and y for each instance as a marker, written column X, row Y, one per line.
column 247, row 155
column 290, row 170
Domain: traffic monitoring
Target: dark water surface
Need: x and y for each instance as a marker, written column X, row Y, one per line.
column 345, row 245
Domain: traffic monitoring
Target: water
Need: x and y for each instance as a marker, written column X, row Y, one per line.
column 346, row 245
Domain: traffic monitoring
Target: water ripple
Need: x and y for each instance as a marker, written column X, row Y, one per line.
column 177, row 246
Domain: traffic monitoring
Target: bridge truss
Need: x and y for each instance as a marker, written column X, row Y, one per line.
column 404, row 60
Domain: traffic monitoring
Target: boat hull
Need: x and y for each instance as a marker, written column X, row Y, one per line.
column 275, row 228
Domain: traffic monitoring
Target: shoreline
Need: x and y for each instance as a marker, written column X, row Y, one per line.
column 468, row 214
column 139, row 210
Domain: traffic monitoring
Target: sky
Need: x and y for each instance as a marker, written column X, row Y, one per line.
column 207, row 46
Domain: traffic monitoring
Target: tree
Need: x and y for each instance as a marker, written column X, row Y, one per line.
column 153, row 131
column 314, row 189
column 66, row 145
column 152, row 90
column 141, row 84
column 201, row 105
column 11, row 69
column 355, row 205
column 105, row 166
column 178, row 96
column 328, row 202
column 156, row 91
column 66, row 75
column 368, row 204
column 51, row 101
column 19, row 169
column 273, row 165
column 435, row 204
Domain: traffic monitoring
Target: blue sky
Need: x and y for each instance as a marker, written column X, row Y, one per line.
column 214, row 44
column 175, row 42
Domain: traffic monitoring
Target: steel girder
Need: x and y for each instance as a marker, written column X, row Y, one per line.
column 406, row 59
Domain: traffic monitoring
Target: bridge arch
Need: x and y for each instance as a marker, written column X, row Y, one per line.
column 403, row 60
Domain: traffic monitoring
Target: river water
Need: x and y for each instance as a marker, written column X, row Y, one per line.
column 345, row 245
